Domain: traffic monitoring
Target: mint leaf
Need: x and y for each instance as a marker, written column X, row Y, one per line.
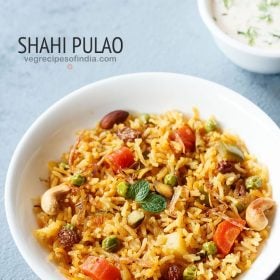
column 131, row 192
column 154, row 203
column 142, row 189
column 139, row 190
column 151, row 202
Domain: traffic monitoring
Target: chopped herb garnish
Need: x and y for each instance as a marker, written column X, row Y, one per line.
column 214, row 18
column 227, row 3
column 263, row 6
column 275, row 3
column 250, row 34
column 268, row 42
column 266, row 4
column 267, row 18
column 276, row 35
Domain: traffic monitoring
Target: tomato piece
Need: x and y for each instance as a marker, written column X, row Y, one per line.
column 100, row 269
column 186, row 136
column 226, row 233
column 120, row 159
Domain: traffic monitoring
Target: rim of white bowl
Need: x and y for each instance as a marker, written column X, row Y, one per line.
column 208, row 20
column 9, row 209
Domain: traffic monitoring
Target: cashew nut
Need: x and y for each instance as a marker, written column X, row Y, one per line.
column 255, row 215
column 49, row 200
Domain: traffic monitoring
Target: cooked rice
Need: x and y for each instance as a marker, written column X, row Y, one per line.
column 97, row 211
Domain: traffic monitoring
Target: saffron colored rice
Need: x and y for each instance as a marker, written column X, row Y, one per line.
column 97, row 211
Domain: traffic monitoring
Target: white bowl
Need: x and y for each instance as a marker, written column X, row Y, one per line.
column 250, row 58
column 54, row 131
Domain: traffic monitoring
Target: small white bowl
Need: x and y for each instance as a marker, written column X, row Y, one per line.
column 250, row 58
column 54, row 131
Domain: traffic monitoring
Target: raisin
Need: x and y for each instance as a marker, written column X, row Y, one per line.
column 226, row 166
column 67, row 237
column 128, row 134
column 174, row 272
column 182, row 175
